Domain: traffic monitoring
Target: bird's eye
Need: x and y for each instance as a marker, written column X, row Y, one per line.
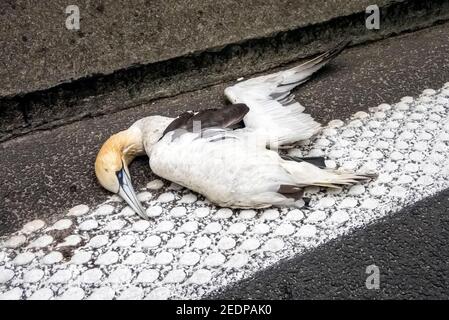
column 120, row 176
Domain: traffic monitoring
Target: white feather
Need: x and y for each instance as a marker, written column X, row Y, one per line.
column 229, row 169
column 229, row 172
column 273, row 109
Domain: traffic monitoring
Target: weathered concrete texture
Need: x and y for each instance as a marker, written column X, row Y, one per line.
column 131, row 87
column 38, row 51
column 45, row 173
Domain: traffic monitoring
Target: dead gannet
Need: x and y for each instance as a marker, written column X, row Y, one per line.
column 210, row 152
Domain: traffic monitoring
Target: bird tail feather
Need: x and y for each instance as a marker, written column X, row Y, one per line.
column 307, row 174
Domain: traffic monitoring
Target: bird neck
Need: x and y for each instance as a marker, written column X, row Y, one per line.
column 128, row 143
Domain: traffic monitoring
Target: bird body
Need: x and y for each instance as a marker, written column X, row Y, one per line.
column 232, row 170
column 223, row 167
column 232, row 167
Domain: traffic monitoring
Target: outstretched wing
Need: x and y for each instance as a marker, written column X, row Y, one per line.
column 273, row 108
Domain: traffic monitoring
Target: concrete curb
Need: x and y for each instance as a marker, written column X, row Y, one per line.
column 39, row 52
column 135, row 85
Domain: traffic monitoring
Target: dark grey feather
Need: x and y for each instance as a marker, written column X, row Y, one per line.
column 219, row 118
column 179, row 123
column 297, row 83
column 325, row 57
column 291, row 191
column 211, row 118
column 316, row 161
column 280, row 95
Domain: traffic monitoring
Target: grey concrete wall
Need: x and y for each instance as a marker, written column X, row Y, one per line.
column 38, row 52
column 37, row 102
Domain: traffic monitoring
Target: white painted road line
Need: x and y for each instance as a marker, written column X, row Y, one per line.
column 191, row 248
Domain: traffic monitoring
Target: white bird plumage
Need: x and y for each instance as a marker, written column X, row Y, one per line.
column 273, row 108
column 233, row 167
column 233, row 170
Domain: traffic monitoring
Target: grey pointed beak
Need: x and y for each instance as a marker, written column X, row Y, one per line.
column 127, row 192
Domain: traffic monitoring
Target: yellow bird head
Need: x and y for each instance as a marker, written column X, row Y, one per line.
column 111, row 166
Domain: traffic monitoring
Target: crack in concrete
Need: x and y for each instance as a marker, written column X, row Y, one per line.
column 127, row 88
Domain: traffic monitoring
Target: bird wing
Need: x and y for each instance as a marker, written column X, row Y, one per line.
column 210, row 118
column 273, row 108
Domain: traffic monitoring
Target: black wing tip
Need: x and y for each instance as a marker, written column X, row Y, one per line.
column 327, row 56
column 336, row 50
column 291, row 191
column 344, row 43
column 319, row 162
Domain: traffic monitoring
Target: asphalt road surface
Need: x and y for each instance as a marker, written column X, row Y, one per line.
column 50, row 172
column 409, row 248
